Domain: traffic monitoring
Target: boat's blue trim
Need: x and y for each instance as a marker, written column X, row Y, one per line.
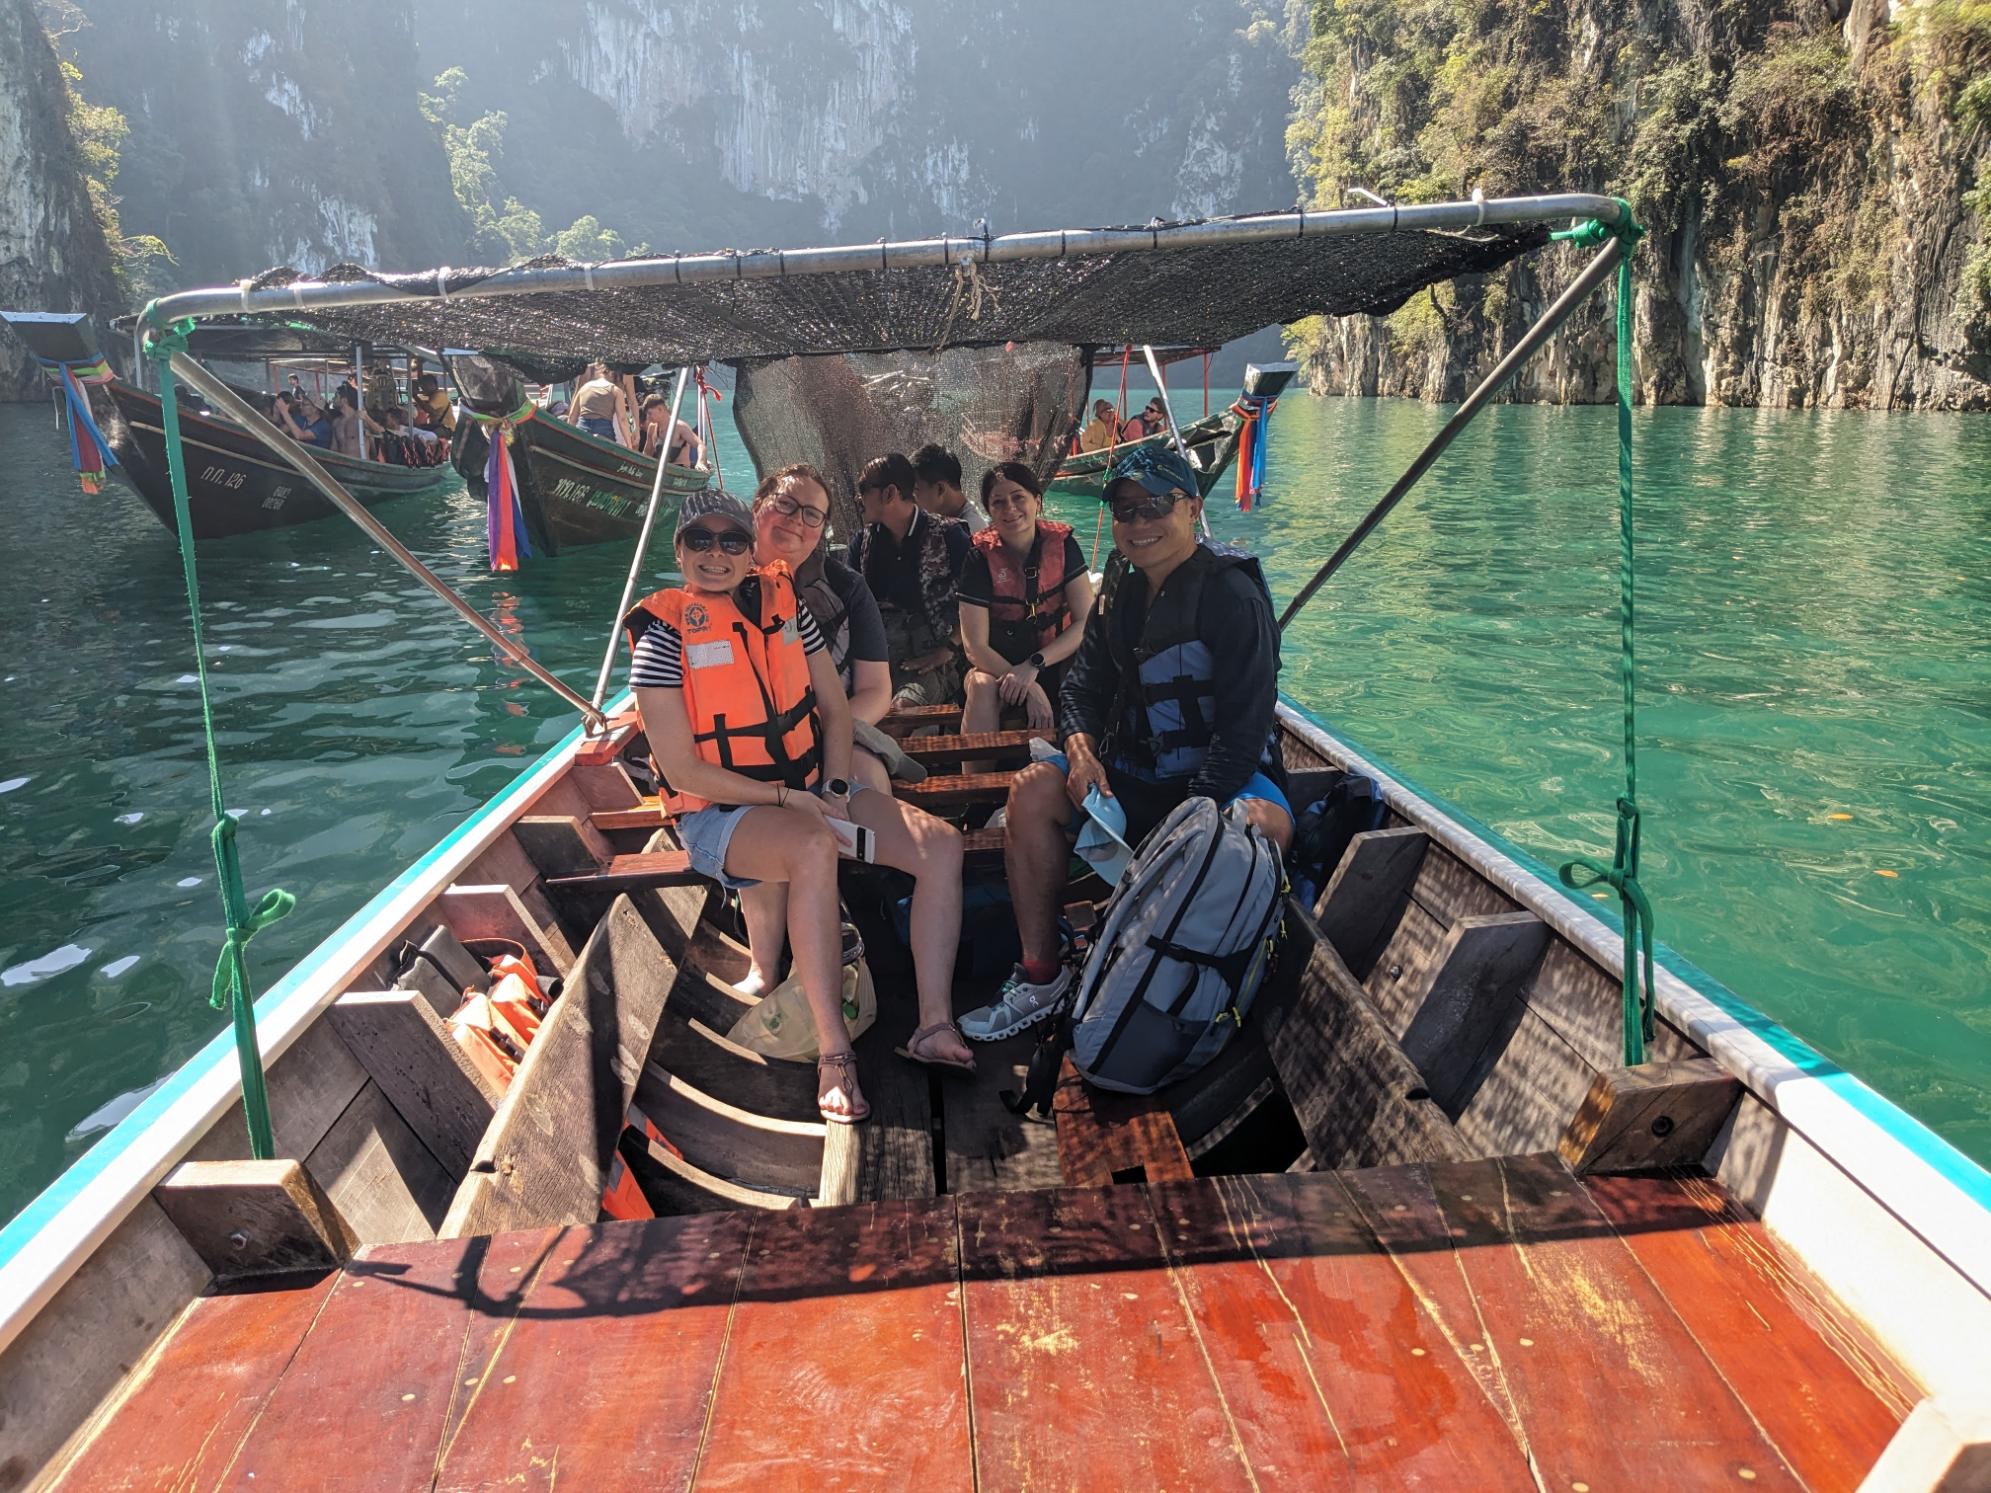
column 65, row 1189
column 1943, row 1158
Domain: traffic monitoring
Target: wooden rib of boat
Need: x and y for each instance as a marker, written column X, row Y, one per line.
column 576, row 489
column 1415, row 1227
column 1212, row 441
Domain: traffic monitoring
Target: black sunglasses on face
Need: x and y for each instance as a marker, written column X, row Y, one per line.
column 787, row 507
column 1133, row 510
column 732, row 541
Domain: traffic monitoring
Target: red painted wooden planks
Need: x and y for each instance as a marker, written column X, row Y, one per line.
column 1827, row 1399
column 1084, row 1366
column 1612, row 1390
column 180, row 1423
column 843, row 1364
column 603, row 1378
column 1335, row 1375
column 365, row 1400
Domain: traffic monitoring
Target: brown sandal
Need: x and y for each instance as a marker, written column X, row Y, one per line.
column 913, row 1051
column 846, row 1065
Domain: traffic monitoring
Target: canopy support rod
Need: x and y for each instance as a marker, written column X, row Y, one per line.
column 642, row 541
column 224, row 399
column 1167, row 409
column 1594, row 274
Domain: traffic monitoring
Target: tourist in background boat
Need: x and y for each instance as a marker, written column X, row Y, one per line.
column 598, row 404
column 731, row 669
column 1103, row 429
column 912, row 563
column 345, row 419
column 433, row 410
column 1025, row 594
column 937, row 487
column 791, row 518
column 304, row 420
column 685, row 447
column 1172, row 694
column 1152, row 420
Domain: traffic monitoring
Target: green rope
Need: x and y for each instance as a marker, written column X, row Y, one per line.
column 1622, row 874
column 231, row 986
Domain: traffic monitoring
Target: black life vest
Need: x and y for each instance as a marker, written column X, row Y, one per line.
column 1165, row 713
column 820, row 596
column 940, row 607
column 1030, row 607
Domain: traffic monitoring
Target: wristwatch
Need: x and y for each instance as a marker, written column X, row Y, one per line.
column 1036, row 661
column 837, row 788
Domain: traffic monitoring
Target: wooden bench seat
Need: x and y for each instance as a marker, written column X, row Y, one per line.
column 937, row 794
column 1007, row 746
column 919, row 717
column 1105, row 1138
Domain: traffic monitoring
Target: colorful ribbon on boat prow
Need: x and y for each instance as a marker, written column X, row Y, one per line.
column 231, row 971
column 90, row 455
column 1622, row 874
column 505, row 535
column 1255, row 413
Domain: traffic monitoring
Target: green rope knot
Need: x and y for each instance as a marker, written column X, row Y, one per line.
column 231, row 970
column 162, row 340
column 1593, row 232
column 1621, row 876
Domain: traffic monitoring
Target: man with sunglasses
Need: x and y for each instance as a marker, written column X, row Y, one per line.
column 1172, row 694
column 912, row 562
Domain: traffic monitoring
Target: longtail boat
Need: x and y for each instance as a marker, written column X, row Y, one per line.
column 575, row 488
column 1424, row 1222
column 1212, row 441
column 234, row 485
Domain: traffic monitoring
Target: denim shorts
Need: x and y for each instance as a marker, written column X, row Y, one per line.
column 707, row 834
column 1147, row 804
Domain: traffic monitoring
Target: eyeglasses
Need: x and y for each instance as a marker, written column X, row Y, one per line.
column 732, row 541
column 787, row 507
column 1134, row 510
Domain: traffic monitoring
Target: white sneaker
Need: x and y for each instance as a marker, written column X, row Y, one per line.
column 1020, row 1005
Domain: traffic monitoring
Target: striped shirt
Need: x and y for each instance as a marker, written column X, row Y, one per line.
column 659, row 652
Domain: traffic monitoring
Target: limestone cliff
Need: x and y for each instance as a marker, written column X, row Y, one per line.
column 271, row 132
column 52, row 251
column 1809, row 172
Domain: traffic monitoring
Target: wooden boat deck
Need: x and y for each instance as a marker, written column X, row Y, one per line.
column 1485, row 1324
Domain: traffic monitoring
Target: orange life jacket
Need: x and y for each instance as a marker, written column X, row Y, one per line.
column 1030, row 606
column 746, row 680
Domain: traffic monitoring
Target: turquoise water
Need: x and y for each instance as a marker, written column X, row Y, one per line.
column 1814, row 628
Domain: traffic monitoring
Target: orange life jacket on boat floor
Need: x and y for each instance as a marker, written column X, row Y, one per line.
column 1030, row 605
column 746, row 679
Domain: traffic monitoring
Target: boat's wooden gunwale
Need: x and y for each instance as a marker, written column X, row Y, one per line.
column 1822, row 1145
column 160, row 1133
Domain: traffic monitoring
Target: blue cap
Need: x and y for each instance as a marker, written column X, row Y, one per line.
column 1159, row 468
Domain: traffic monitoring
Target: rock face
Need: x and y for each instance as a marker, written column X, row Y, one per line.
column 280, row 132
column 1805, row 172
column 52, row 251
column 705, row 122
column 271, row 132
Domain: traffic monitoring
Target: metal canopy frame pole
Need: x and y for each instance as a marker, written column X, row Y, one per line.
column 1064, row 243
column 1594, row 274
column 225, row 400
column 642, row 541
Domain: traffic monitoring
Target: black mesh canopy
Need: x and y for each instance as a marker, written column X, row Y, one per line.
column 1199, row 295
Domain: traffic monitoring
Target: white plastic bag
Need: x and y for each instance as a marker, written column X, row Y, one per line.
column 779, row 1024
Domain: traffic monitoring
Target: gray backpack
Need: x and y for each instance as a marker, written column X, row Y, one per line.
column 1179, row 957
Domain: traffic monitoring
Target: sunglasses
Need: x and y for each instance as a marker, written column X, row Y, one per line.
column 1134, row 510
column 732, row 541
column 813, row 518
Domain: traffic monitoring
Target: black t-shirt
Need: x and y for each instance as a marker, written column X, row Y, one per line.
column 892, row 568
column 977, row 586
column 867, row 625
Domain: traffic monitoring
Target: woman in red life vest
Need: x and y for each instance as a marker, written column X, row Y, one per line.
column 747, row 720
column 1024, row 595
